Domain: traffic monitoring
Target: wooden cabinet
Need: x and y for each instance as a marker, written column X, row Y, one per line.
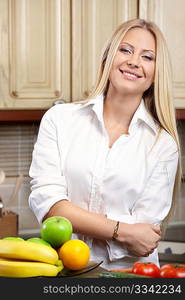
column 35, row 53
column 169, row 16
column 50, row 49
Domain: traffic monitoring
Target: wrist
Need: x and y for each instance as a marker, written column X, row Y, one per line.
column 115, row 232
column 124, row 235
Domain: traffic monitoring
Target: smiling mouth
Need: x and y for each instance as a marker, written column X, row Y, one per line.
column 130, row 75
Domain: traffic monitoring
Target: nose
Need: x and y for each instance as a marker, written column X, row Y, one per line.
column 134, row 61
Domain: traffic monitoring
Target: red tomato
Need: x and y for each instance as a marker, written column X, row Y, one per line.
column 172, row 271
column 147, row 269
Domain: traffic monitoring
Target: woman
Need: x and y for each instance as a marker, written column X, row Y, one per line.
column 111, row 165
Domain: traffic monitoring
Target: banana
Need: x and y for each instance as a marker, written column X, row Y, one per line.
column 12, row 268
column 25, row 250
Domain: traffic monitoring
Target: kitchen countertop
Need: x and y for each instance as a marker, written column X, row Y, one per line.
column 91, row 274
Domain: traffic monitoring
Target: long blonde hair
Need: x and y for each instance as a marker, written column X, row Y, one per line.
column 158, row 98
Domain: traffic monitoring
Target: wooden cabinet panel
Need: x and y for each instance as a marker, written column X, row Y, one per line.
column 169, row 15
column 50, row 50
column 93, row 23
column 36, row 52
column 35, row 56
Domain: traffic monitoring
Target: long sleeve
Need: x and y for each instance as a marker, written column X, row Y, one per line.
column 48, row 184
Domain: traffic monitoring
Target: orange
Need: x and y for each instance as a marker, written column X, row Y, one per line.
column 74, row 254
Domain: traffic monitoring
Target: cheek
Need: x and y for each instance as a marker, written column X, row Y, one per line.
column 114, row 70
column 114, row 64
column 151, row 73
column 117, row 61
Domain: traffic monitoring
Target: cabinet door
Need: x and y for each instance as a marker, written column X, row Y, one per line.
column 93, row 22
column 169, row 16
column 35, row 53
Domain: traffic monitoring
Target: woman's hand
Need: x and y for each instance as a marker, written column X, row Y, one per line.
column 140, row 239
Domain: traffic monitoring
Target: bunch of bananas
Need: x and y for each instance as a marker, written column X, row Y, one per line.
column 28, row 259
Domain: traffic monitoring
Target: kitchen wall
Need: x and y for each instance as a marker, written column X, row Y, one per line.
column 27, row 220
column 16, row 146
column 180, row 209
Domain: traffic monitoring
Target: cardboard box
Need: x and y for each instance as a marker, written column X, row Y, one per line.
column 8, row 222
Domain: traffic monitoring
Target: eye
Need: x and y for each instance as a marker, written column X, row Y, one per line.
column 147, row 57
column 125, row 50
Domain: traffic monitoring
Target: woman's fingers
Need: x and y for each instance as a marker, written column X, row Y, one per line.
column 144, row 239
column 157, row 229
column 145, row 252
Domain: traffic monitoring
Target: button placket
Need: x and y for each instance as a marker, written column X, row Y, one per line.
column 95, row 197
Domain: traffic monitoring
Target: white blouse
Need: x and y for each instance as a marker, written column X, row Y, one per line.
column 131, row 182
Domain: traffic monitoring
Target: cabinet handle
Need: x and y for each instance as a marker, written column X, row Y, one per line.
column 14, row 94
column 86, row 94
column 57, row 93
column 60, row 101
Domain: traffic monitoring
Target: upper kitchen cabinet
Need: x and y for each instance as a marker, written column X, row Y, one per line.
column 93, row 22
column 35, row 53
column 50, row 48
column 169, row 15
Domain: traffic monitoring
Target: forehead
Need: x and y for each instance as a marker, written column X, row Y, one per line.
column 140, row 38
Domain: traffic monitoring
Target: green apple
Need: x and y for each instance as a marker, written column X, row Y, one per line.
column 56, row 230
column 13, row 238
column 38, row 240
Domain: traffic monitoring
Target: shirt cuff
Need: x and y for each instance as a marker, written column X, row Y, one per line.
column 45, row 192
column 41, row 210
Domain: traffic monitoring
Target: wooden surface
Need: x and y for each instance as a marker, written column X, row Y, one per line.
column 180, row 114
column 169, row 16
column 35, row 53
column 36, row 115
column 21, row 115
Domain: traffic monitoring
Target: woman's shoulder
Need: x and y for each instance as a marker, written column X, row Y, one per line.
column 167, row 137
column 164, row 147
column 167, row 143
column 61, row 111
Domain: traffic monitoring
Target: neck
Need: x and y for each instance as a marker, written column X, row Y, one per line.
column 120, row 108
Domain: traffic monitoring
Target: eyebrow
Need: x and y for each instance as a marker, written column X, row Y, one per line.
column 145, row 50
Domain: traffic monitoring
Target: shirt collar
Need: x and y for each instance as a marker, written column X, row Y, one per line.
column 144, row 115
column 97, row 106
column 140, row 114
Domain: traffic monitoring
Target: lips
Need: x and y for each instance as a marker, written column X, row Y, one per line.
column 130, row 75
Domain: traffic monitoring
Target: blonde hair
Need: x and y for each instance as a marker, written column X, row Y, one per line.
column 158, row 98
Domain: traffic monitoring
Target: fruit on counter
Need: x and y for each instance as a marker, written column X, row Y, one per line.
column 146, row 269
column 172, row 271
column 56, row 230
column 28, row 251
column 74, row 254
column 38, row 241
column 13, row 238
column 11, row 268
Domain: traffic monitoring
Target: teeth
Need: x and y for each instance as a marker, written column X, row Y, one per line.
column 130, row 75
